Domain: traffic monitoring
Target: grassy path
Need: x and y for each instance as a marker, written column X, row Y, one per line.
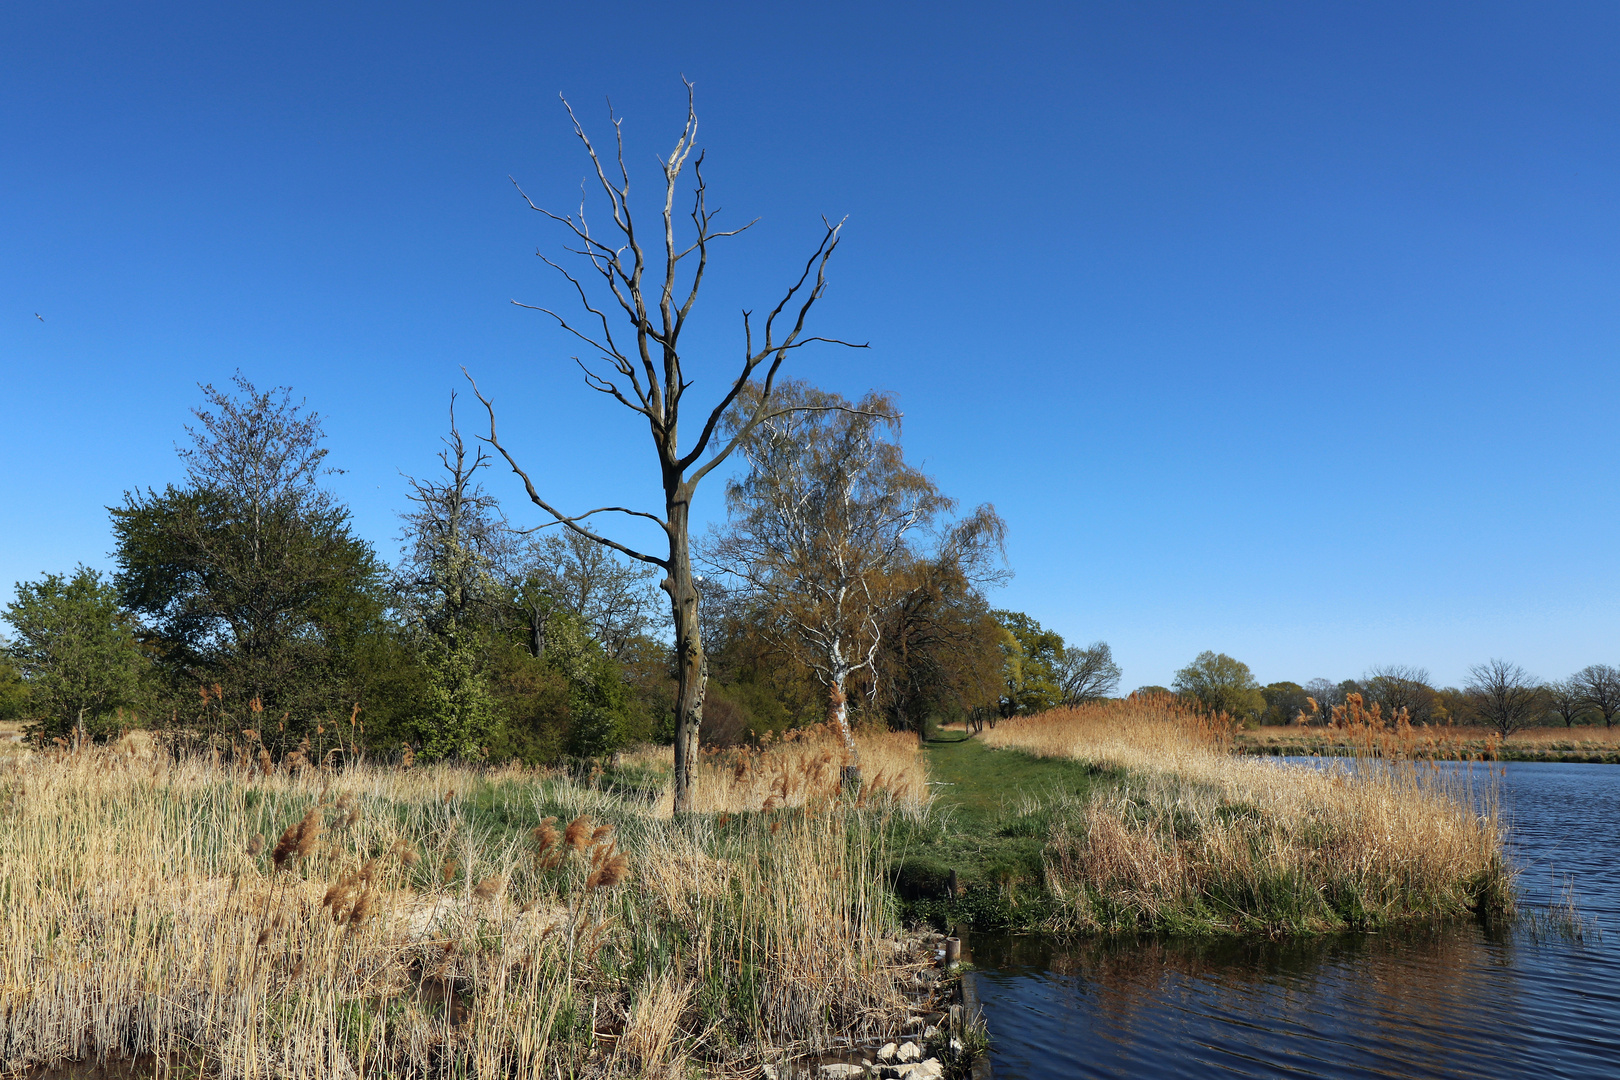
column 990, row 824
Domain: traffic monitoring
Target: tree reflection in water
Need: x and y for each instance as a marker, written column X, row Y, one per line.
column 1447, row 1001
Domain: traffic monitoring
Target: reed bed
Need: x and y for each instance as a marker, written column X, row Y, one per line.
column 807, row 763
column 252, row 921
column 1194, row 838
column 1335, row 735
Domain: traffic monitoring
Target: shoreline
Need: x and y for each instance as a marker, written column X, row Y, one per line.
column 1555, row 757
column 1138, row 817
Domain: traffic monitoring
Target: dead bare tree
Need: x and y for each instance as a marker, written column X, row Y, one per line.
column 1600, row 689
column 1087, row 674
column 1566, row 699
column 1504, row 696
column 655, row 295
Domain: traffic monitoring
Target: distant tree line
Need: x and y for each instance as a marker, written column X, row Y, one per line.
column 843, row 587
column 1499, row 695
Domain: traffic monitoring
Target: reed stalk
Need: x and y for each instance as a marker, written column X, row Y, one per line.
column 143, row 912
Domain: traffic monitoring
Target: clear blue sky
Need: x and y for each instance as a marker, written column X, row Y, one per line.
column 1286, row 330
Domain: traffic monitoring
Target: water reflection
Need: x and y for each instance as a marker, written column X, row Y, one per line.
column 1455, row 1000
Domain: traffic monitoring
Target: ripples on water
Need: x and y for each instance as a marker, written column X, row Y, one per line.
column 1458, row 1000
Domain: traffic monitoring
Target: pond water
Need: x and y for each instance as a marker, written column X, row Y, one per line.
column 1459, row 1000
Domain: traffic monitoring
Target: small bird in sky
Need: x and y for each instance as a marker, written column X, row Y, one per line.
column 38, row 316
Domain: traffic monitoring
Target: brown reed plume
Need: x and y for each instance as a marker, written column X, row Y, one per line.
column 340, row 895
column 609, row 867
column 578, row 834
column 365, row 906
column 300, row 838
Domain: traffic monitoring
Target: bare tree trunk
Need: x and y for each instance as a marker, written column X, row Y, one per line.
column 691, row 670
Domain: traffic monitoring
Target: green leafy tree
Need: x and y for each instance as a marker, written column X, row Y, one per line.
column 1221, row 684
column 575, row 701
column 248, row 576
column 478, row 596
column 13, row 690
column 77, row 652
column 1032, row 657
column 1284, row 702
column 941, row 655
column 448, row 588
column 458, row 715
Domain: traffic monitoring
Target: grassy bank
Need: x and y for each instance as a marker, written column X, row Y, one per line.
column 443, row 921
column 1196, row 839
column 1138, row 816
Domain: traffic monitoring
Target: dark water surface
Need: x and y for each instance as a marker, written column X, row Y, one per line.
column 1456, row 1001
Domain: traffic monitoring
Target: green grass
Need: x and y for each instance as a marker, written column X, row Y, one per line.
column 989, row 825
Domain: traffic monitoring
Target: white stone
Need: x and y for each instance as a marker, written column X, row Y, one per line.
column 886, row 1052
column 909, row 1052
column 839, row 1071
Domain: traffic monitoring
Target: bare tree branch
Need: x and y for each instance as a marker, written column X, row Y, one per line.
column 534, row 496
column 655, row 368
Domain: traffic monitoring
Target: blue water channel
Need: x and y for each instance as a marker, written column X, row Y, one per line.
column 1457, row 1000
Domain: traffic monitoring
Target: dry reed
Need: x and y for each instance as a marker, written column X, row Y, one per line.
column 805, row 765
column 142, row 912
column 1197, row 838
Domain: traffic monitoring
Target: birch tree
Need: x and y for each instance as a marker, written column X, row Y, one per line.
column 630, row 322
column 817, row 527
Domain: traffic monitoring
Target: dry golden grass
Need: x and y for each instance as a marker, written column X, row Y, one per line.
column 1197, row 837
column 1599, row 738
column 807, row 763
column 409, row 922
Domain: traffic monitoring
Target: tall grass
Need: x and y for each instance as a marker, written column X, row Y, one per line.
column 435, row 921
column 1196, row 838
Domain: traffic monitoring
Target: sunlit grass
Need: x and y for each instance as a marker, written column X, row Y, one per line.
column 441, row 920
column 1196, row 838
